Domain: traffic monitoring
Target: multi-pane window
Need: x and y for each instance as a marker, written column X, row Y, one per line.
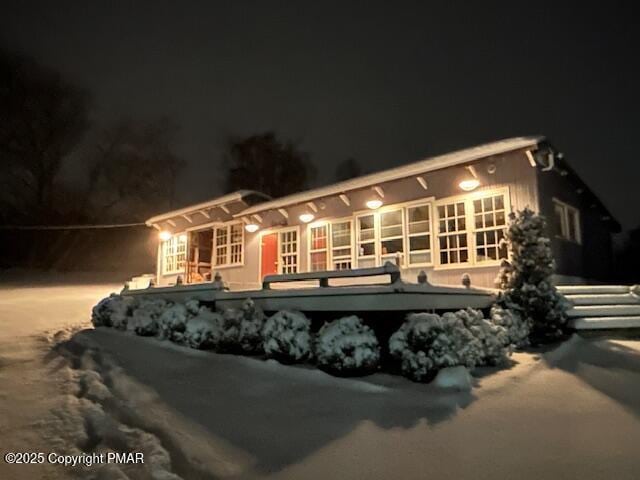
column 229, row 244
column 489, row 217
column 366, row 241
column 174, row 254
column 289, row 251
column 419, row 234
column 391, row 234
column 452, row 233
column 318, row 248
column 341, row 245
column 236, row 236
column 567, row 221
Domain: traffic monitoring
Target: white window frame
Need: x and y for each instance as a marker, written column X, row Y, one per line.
column 458, row 233
column 325, row 250
column 170, row 249
column 228, row 244
column 410, row 235
column 484, row 230
column 280, row 232
column 564, row 221
column 472, row 260
column 332, row 257
column 391, row 257
column 375, row 240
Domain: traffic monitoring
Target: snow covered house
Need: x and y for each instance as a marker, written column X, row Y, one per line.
column 444, row 215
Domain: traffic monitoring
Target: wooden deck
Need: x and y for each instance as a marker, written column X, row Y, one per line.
column 394, row 295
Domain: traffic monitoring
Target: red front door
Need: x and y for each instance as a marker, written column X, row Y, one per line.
column 269, row 248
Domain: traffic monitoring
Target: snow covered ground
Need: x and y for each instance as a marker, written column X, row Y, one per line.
column 570, row 412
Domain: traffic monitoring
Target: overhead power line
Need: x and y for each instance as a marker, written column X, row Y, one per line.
column 70, row 227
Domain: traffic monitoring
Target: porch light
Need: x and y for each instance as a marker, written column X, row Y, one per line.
column 306, row 217
column 251, row 227
column 469, row 184
column 374, row 204
column 165, row 235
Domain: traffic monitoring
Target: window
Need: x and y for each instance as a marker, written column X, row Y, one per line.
column 366, row 241
column 391, row 235
column 318, row 248
column 567, row 221
column 489, row 222
column 229, row 243
column 419, row 234
column 174, row 254
column 452, row 233
column 289, row 251
column 341, row 245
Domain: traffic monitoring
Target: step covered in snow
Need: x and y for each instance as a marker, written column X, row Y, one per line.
column 604, row 311
column 603, row 323
column 604, row 299
column 593, row 289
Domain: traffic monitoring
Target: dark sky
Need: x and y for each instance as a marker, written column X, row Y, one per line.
column 385, row 82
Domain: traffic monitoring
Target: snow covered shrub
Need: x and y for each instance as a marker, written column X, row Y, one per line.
column 426, row 343
column 347, row 345
column 526, row 279
column 493, row 344
column 112, row 311
column 203, row 331
column 251, row 327
column 241, row 329
column 286, row 336
column 193, row 306
column 172, row 322
column 517, row 328
column 145, row 317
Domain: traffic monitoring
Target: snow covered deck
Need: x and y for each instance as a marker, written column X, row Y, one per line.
column 395, row 295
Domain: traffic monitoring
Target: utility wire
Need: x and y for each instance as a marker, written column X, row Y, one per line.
column 69, row 227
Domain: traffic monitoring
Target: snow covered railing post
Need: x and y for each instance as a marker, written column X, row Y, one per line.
column 323, row 277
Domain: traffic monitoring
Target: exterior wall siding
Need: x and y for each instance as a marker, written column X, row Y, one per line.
column 511, row 171
column 576, row 263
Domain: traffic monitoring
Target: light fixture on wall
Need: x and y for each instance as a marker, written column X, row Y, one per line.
column 165, row 235
column 306, row 217
column 469, row 184
column 374, row 203
column 251, row 227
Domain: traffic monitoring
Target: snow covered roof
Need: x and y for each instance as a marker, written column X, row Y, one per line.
column 416, row 168
column 222, row 201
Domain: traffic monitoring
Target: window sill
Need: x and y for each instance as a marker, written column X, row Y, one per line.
column 223, row 267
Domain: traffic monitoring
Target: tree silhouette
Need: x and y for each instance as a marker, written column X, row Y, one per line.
column 43, row 118
column 133, row 169
column 264, row 163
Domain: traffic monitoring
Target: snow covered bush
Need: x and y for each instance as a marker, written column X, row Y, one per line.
column 144, row 320
column 203, row 331
column 526, row 278
column 516, row 327
column 240, row 329
column 347, row 345
column 427, row 343
column 112, row 311
column 493, row 341
column 286, row 336
column 172, row 322
column 250, row 338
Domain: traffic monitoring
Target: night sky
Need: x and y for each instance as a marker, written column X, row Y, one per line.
column 384, row 82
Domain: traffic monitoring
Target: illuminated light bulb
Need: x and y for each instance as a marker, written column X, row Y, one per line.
column 470, row 184
column 306, row 217
column 251, row 227
column 374, row 204
column 165, row 235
